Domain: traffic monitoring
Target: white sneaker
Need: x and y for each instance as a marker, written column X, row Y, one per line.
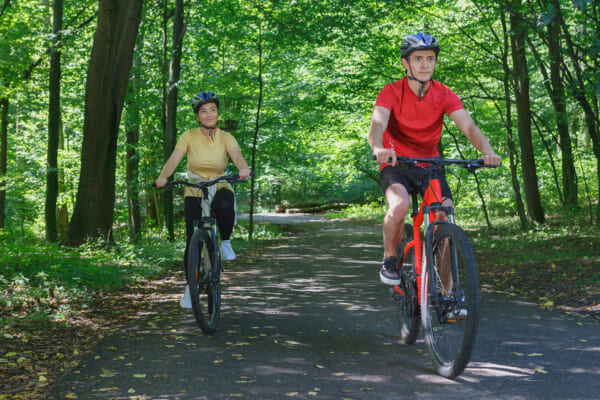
column 227, row 253
column 186, row 301
column 453, row 316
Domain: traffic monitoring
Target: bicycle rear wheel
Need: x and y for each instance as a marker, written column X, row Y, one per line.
column 407, row 307
column 204, row 273
column 450, row 300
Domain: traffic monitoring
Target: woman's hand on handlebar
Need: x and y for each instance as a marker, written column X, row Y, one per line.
column 244, row 173
column 383, row 156
column 160, row 182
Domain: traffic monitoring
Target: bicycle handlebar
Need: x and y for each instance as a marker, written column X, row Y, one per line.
column 470, row 165
column 232, row 178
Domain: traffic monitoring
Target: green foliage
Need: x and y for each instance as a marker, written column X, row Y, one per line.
column 42, row 282
column 369, row 211
column 322, row 67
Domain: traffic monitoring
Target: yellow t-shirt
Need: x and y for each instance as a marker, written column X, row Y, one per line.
column 205, row 157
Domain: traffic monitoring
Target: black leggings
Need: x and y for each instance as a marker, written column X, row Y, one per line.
column 222, row 207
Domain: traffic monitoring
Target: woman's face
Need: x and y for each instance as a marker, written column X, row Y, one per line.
column 208, row 114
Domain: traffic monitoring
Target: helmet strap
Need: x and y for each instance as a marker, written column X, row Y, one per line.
column 210, row 129
column 423, row 83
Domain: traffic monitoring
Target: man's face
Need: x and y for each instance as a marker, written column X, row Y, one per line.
column 422, row 64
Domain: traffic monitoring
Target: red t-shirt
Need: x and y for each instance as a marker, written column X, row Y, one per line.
column 415, row 127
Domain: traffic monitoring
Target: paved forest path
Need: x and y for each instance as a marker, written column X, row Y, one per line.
column 306, row 317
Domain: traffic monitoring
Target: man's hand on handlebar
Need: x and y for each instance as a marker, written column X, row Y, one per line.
column 491, row 159
column 383, row 156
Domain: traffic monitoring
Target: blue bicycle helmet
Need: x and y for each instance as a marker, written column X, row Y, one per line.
column 418, row 41
column 204, row 98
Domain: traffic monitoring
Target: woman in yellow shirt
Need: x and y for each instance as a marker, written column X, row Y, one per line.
column 208, row 150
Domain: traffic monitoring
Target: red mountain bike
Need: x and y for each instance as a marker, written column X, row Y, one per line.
column 439, row 280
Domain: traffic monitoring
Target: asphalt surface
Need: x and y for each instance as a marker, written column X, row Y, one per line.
column 309, row 319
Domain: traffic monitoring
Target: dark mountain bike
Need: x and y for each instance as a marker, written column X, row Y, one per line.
column 204, row 260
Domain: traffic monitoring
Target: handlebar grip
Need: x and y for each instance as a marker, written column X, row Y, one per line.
column 389, row 159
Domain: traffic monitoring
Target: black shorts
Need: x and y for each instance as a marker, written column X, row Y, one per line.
column 411, row 178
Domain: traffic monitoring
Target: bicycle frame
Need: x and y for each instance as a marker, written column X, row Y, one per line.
column 208, row 223
column 424, row 214
column 438, row 263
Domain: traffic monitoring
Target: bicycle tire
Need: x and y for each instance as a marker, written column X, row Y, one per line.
column 407, row 307
column 450, row 309
column 204, row 272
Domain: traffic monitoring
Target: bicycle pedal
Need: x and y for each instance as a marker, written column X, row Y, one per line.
column 395, row 294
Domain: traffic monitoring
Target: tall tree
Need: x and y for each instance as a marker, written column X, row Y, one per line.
column 554, row 83
column 132, row 135
column 559, row 100
column 170, row 131
column 106, row 86
column 518, row 27
column 580, row 91
column 54, row 122
column 3, row 157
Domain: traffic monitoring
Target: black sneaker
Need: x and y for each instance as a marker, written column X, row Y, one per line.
column 389, row 273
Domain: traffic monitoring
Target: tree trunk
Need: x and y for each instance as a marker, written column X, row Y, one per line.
column 512, row 151
column 54, row 123
column 132, row 129
column 557, row 93
column 578, row 88
column 256, row 130
column 106, row 86
column 3, row 158
column 521, row 85
column 170, row 132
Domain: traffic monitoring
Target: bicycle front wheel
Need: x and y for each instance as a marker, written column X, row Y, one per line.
column 450, row 300
column 204, row 272
column 407, row 307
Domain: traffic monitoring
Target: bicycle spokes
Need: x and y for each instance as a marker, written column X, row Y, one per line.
column 451, row 294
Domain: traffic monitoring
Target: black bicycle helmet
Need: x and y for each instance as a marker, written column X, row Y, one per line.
column 204, row 98
column 418, row 41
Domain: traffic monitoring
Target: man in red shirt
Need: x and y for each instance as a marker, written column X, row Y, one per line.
column 407, row 120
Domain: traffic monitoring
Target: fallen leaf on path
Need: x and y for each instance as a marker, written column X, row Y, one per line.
column 108, row 389
column 108, row 373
